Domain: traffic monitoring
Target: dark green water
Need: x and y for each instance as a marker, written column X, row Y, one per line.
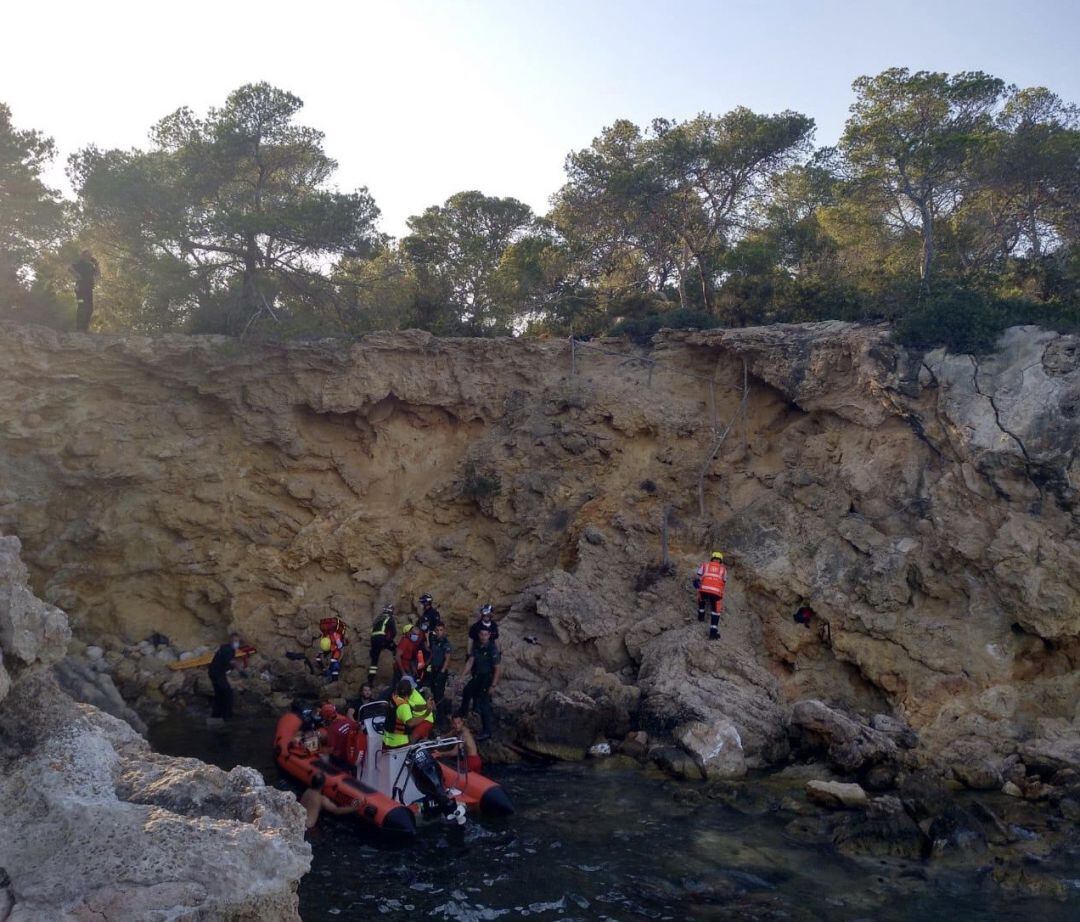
column 590, row 843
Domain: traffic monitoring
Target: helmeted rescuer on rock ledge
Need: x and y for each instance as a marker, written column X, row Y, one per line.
column 332, row 645
column 710, row 583
column 383, row 633
column 430, row 617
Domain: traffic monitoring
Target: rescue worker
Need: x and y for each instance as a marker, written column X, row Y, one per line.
column 314, row 801
column 485, row 622
column 429, row 614
column 342, row 733
column 422, row 707
column 710, row 583
column 331, row 650
column 223, row 662
column 411, row 658
column 403, row 720
column 438, row 667
column 484, row 668
column 86, row 271
column 383, row 634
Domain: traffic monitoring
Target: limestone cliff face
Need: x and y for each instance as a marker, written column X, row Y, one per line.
column 93, row 825
column 925, row 505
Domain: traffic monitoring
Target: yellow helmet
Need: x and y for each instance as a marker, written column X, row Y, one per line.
column 717, row 555
column 407, row 628
column 324, row 644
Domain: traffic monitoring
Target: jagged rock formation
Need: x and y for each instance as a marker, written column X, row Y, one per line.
column 926, row 506
column 93, row 825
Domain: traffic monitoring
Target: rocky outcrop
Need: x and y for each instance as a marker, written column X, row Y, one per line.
column 93, row 825
column 925, row 505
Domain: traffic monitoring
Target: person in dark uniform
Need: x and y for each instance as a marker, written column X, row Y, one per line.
column 483, row 666
column 438, row 667
column 86, row 271
column 429, row 614
column 486, row 622
column 383, row 634
column 224, row 660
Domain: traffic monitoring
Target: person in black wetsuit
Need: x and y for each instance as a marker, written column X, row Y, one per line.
column 219, row 668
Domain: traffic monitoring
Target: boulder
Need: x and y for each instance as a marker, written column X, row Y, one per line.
column 118, row 831
column 836, row 794
column 716, row 748
column 883, row 830
column 563, row 726
column 86, row 684
column 677, row 762
column 848, row 744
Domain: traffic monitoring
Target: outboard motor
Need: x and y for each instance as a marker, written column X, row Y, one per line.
column 428, row 779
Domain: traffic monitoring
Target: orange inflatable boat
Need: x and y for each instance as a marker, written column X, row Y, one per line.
column 394, row 787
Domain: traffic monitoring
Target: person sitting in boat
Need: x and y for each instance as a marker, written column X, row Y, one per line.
column 412, row 653
column 342, row 737
column 314, row 801
column 423, row 706
column 405, row 720
column 460, row 730
column 366, row 696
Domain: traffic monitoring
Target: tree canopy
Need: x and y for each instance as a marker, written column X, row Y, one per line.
column 950, row 204
column 233, row 209
column 31, row 214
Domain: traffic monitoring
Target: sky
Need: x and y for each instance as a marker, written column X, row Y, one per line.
column 420, row 99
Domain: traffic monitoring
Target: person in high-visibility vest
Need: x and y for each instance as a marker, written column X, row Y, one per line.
column 405, row 720
column 710, row 583
column 383, row 634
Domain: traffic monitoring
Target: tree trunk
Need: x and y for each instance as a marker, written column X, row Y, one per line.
column 927, row 246
column 249, row 290
column 707, row 301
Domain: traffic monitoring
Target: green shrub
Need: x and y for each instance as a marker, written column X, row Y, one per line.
column 642, row 329
column 960, row 319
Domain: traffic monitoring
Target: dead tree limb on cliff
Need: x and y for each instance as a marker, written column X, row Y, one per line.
column 718, row 444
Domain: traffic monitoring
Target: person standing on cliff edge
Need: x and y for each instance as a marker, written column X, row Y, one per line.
column 711, row 581
column 224, row 661
column 86, row 271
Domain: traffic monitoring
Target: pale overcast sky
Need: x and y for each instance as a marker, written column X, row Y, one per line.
column 421, row 99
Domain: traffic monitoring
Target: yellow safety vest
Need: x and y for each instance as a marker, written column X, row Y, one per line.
column 419, row 705
column 399, row 736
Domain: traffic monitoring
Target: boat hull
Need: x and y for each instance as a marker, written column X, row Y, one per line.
column 375, row 809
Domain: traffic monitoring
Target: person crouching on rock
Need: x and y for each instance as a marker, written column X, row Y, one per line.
column 710, row 583
column 314, row 801
column 223, row 662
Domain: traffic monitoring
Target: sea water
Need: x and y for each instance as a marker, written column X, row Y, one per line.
column 593, row 843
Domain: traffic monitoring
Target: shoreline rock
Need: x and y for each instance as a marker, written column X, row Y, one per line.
column 116, row 830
